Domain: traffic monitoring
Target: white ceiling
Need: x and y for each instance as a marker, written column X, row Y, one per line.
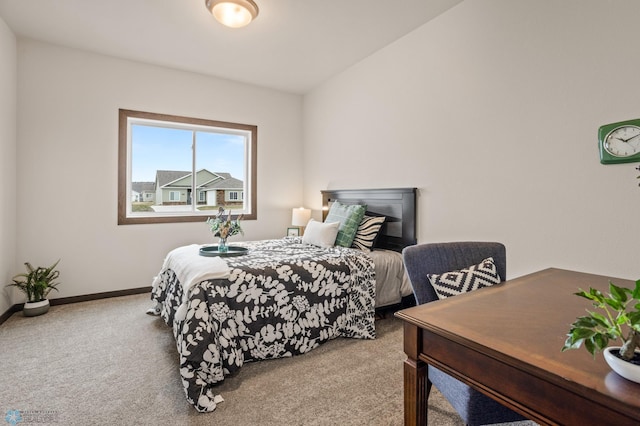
column 293, row 45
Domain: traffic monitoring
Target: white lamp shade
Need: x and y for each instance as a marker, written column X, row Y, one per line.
column 233, row 13
column 300, row 216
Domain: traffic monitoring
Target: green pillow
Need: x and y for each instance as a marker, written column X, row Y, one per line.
column 349, row 217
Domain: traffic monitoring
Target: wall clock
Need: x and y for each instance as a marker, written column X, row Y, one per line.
column 619, row 142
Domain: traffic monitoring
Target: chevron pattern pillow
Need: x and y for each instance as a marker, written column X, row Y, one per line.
column 472, row 278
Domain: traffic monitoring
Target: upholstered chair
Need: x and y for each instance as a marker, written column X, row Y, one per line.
column 422, row 260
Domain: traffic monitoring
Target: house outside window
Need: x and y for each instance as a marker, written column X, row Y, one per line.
column 170, row 158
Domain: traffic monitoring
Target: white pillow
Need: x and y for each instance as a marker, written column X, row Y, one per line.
column 321, row 234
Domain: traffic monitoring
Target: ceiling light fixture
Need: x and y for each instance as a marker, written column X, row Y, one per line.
column 233, row 13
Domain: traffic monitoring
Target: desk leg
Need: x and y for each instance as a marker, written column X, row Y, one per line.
column 416, row 384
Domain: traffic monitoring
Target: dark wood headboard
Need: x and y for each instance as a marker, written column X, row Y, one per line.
column 398, row 205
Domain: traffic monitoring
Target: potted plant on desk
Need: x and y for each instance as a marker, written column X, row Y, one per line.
column 619, row 318
column 36, row 283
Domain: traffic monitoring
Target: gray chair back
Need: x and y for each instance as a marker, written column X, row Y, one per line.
column 421, row 260
column 436, row 258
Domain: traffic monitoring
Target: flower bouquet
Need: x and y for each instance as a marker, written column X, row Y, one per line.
column 224, row 227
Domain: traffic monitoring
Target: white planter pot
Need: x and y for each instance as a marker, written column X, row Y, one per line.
column 626, row 369
column 32, row 309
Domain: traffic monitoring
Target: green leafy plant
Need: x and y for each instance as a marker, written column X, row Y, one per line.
column 620, row 314
column 38, row 282
column 223, row 226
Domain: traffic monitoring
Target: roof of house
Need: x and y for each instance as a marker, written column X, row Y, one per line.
column 143, row 186
column 224, row 180
column 227, row 182
column 164, row 177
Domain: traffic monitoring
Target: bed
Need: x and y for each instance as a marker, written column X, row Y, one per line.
column 284, row 297
column 398, row 207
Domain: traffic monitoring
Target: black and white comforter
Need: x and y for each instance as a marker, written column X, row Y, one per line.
column 281, row 299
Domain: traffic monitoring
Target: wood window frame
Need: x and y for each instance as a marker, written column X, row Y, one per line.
column 123, row 164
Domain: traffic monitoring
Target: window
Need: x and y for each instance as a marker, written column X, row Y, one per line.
column 234, row 196
column 163, row 154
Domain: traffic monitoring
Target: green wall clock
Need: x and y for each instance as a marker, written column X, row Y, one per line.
column 619, row 142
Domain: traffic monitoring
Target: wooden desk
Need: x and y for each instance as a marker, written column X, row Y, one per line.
column 505, row 341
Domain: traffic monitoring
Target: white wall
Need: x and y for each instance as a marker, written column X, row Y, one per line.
column 8, row 79
column 492, row 111
column 68, row 103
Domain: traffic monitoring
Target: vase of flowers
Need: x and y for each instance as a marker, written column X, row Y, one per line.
column 223, row 226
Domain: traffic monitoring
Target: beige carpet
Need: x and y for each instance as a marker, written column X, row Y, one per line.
column 107, row 363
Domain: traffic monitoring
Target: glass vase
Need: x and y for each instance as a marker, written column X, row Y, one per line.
column 222, row 246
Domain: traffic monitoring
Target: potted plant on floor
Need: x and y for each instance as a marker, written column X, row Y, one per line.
column 619, row 318
column 36, row 283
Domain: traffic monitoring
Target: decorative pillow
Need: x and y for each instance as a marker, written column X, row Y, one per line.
column 321, row 234
column 367, row 232
column 472, row 278
column 349, row 217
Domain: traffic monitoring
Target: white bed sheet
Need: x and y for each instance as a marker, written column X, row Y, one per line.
column 392, row 282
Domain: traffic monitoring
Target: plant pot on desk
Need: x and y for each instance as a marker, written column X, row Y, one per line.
column 626, row 369
column 33, row 309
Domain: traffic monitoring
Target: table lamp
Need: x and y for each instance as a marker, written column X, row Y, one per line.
column 300, row 217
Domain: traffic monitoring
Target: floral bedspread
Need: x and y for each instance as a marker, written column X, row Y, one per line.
column 281, row 299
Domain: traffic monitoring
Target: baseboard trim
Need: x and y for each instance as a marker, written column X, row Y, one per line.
column 97, row 296
column 76, row 299
column 12, row 310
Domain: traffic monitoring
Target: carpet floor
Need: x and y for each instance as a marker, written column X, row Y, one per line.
column 105, row 362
